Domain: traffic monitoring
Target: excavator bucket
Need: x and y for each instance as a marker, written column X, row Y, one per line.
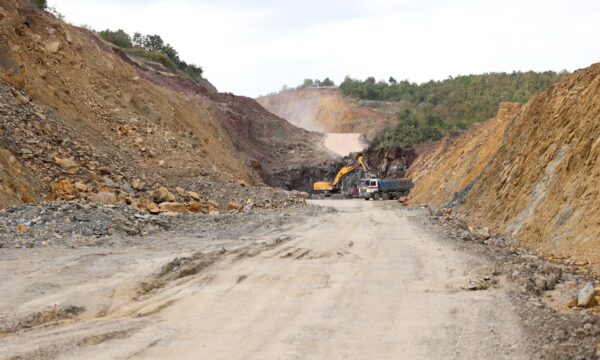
column 322, row 186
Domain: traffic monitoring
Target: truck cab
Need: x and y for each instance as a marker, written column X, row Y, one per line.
column 367, row 188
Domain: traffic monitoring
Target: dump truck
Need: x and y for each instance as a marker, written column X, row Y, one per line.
column 385, row 189
column 335, row 186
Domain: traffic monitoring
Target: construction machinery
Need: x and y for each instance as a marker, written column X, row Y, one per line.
column 385, row 189
column 335, row 186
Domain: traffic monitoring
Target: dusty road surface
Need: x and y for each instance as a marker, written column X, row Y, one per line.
column 363, row 281
column 343, row 144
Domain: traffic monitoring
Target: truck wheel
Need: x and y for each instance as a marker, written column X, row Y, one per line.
column 376, row 196
column 385, row 196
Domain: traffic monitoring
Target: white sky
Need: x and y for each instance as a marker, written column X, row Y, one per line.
column 254, row 47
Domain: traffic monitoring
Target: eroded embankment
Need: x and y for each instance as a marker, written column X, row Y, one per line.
column 324, row 109
column 81, row 116
column 534, row 177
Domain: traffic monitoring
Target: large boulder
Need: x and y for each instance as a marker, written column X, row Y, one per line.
column 585, row 296
column 162, row 194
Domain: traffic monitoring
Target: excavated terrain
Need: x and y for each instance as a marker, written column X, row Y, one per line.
column 82, row 119
column 533, row 177
column 387, row 162
column 324, row 109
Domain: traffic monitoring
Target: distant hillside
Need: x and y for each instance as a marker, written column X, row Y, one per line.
column 324, row 109
column 426, row 112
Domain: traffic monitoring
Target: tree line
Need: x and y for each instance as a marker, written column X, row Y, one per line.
column 430, row 110
column 152, row 47
column 310, row 83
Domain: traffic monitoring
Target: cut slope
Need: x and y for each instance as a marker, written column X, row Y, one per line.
column 543, row 184
column 117, row 117
column 323, row 109
column 540, row 183
column 452, row 165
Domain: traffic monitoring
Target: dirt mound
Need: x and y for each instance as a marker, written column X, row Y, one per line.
column 75, row 108
column 540, row 182
column 324, row 109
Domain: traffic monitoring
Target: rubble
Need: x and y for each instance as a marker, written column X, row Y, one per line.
column 544, row 288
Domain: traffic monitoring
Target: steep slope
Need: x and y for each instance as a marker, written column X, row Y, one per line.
column 69, row 97
column 324, row 109
column 453, row 163
column 540, row 183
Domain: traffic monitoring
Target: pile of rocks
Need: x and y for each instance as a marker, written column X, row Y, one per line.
column 54, row 223
column 66, row 169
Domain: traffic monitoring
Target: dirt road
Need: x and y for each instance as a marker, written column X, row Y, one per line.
column 343, row 144
column 362, row 282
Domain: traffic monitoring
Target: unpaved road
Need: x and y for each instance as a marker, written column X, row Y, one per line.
column 363, row 282
column 343, row 144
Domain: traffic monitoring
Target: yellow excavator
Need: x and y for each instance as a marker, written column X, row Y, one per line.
column 326, row 186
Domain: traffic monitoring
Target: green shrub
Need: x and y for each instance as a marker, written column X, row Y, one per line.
column 42, row 4
column 152, row 56
column 119, row 38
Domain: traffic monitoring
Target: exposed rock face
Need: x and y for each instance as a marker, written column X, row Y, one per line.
column 535, row 176
column 75, row 108
column 390, row 162
column 452, row 165
column 324, row 109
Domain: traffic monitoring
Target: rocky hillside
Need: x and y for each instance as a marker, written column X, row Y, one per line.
column 80, row 116
column 534, row 177
column 451, row 165
column 324, row 109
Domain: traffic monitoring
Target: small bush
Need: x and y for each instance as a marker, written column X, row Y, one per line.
column 42, row 4
column 119, row 38
column 152, row 56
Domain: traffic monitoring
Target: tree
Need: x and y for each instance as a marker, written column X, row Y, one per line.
column 153, row 43
column 171, row 53
column 138, row 39
column 307, row 83
column 392, row 80
column 327, row 82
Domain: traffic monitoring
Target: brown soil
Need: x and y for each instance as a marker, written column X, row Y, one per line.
column 123, row 118
column 534, row 177
column 324, row 109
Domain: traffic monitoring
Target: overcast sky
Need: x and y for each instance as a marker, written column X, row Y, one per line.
column 254, row 47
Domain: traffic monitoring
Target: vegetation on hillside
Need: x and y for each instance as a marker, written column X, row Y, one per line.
column 431, row 110
column 42, row 4
column 151, row 47
column 309, row 83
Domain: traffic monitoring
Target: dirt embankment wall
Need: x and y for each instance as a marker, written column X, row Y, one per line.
column 535, row 176
column 74, row 107
column 324, row 109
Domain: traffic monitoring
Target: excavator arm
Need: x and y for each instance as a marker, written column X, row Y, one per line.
column 330, row 186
